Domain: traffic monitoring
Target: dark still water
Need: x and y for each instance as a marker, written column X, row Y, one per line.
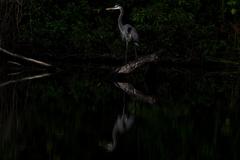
column 151, row 113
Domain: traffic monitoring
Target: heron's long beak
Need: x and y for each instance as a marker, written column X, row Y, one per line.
column 110, row 8
column 102, row 143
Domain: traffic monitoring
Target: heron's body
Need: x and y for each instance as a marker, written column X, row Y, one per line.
column 128, row 32
column 122, row 125
column 130, row 35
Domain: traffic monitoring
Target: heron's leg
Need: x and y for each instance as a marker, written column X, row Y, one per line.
column 126, row 52
column 124, row 94
column 135, row 52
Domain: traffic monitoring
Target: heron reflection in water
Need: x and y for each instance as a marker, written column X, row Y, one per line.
column 122, row 125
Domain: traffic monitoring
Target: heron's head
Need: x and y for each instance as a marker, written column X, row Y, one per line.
column 117, row 6
column 109, row 146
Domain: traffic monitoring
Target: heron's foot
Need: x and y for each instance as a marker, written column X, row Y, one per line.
column 126, row 58
column 125, row 62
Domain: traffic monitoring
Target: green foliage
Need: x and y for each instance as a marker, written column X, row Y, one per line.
column 75, row 25
column 233, row 4
column 178, row 26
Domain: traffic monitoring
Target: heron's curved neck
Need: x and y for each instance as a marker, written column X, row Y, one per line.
column 114, row 137
column 120, row 25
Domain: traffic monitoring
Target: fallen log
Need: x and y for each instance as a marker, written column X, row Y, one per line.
column 132, row 65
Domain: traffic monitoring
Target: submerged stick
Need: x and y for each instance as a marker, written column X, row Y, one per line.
column 24, row 79
column 25, row 58
column 130, row 90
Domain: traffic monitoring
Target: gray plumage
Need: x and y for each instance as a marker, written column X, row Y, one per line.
column 122, row 125
column 128, row 32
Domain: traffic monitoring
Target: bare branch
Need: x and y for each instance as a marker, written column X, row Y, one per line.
column 25, row 58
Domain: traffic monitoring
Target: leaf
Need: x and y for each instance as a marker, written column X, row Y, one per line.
column 233, row 11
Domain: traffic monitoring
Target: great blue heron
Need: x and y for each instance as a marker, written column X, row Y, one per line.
column 122, row 125
column 128, row 32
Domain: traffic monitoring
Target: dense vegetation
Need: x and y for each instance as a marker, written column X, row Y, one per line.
column 187, row 29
